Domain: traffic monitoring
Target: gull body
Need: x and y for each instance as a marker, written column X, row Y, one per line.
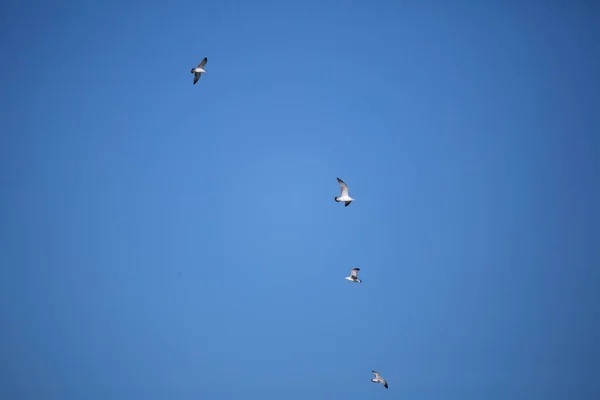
column 378, row 379
column 344, row 197
column 199, row 70
column 354, row 276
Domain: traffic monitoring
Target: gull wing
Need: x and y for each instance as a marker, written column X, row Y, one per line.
column 377, row 376
column 355, row 272
column 197, row 76
column 343, row 187
column 203, row 62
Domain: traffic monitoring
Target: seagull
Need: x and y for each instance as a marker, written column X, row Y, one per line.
column 354, row 276
column 199, row 70
column 379, row 379
column 344, row 197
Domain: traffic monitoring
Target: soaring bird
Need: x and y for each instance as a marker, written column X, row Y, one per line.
column 379, row 379
column 344, row 197
column 354, row 276
column 199, row 70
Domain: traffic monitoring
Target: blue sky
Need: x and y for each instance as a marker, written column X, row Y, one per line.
column 161, row 240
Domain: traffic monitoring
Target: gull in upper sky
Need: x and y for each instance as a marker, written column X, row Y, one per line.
column 354, row 276
column 379, row 379
column 344, row 197
column 199, row 70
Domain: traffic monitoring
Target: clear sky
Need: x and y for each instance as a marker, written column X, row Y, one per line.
column 164, row 240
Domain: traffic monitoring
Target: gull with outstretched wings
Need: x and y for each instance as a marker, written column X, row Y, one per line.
column 344, row 194
column 199, row 70
column 379, row 379
column 354, row 276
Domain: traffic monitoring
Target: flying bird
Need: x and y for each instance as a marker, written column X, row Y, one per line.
column 354, row 276
column 344, row 197
column 199, row 70
column 379, row 379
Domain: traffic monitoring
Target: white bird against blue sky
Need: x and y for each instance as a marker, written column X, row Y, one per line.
column 199, row 70
column 354, row 276
column 379, row 379
column 345, row 197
